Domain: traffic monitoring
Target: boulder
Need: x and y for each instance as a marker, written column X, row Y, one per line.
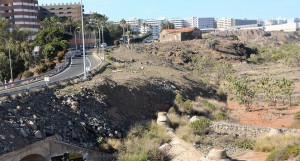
column 38, row 134
column 32, row 125
column 2, row 137
column 275, row 132
column 162, row 119
column 74, row 105
column 217, row 155
column 23, row 133
column 194, row 118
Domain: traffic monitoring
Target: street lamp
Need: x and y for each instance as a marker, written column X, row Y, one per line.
column 75, row 36
column 83, row 43
column 9, row 55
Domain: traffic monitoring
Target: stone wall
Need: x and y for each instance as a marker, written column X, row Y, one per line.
column 196, row 34
column 169, row 37
column 247, row 130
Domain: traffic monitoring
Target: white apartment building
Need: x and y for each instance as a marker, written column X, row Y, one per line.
column 226, row 23
column 154, row 29
column 206, row 23
column 288, row 27
column 293, row 20
column 178, row 23
column 154, row 22
column 191, row 22
column 199, row 22
column 135, row 27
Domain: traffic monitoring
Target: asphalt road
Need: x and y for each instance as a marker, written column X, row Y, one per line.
column 74, row 69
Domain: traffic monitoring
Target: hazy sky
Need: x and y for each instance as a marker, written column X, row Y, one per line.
column 152, row 9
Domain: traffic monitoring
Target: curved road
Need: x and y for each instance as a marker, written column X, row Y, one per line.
column 74, row 69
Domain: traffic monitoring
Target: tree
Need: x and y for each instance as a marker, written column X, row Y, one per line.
column 286, row 87
column 243, row 90
column 51, row 38
column 166, row 25
column 4, row 67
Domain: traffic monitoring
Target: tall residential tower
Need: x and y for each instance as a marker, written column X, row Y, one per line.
column 23, row 13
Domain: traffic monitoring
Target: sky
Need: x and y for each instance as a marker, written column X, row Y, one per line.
column 153, row 9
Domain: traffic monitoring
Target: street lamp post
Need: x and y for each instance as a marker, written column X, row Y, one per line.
column 102, row 34
column 9, row 55
column 76, row 37
column 83, row 43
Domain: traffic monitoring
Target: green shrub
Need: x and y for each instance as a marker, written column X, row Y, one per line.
column 51, row 65
column 245, row 144
column 178, row 100
column 272, row 156
column 28, row 74
column 297, row 116
column 290, row 151
column 201, row 125
column 108, row 57
column 41, row 69
column 187, row 106
column 211, row 44
column 209, row 105
column 172, row 110
column 220, row 116
column 117, row 42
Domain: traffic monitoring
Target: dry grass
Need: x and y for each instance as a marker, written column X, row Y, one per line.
column 177, row 121
column 271, row 143
column 142, row 143
column 182, row 128
column 186, row 133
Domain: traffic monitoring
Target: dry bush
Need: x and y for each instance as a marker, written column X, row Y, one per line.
column 186, row 133
column 142, row 143
column 271, row 143
column 177, row 121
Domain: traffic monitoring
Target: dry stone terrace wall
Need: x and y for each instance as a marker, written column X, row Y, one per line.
column 247, row 130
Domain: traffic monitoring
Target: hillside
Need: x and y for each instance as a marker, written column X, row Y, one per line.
column 143, row 79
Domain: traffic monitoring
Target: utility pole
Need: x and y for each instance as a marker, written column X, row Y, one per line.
column 83, row 43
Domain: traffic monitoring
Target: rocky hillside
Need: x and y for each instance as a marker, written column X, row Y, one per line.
column 259, row 36
column 104, row 106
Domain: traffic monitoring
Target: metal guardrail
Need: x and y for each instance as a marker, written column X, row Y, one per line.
column 30, row 80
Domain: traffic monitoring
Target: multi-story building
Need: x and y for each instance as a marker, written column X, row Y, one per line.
column 23, row 13
column 242, row 22
column 72, row 10
column 206, row 23
column 153, row 29
column 178, row 23
column 225, row 23
column 191, row 22
column 293, row 20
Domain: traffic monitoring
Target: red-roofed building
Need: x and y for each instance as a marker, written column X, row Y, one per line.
column 183, row 34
